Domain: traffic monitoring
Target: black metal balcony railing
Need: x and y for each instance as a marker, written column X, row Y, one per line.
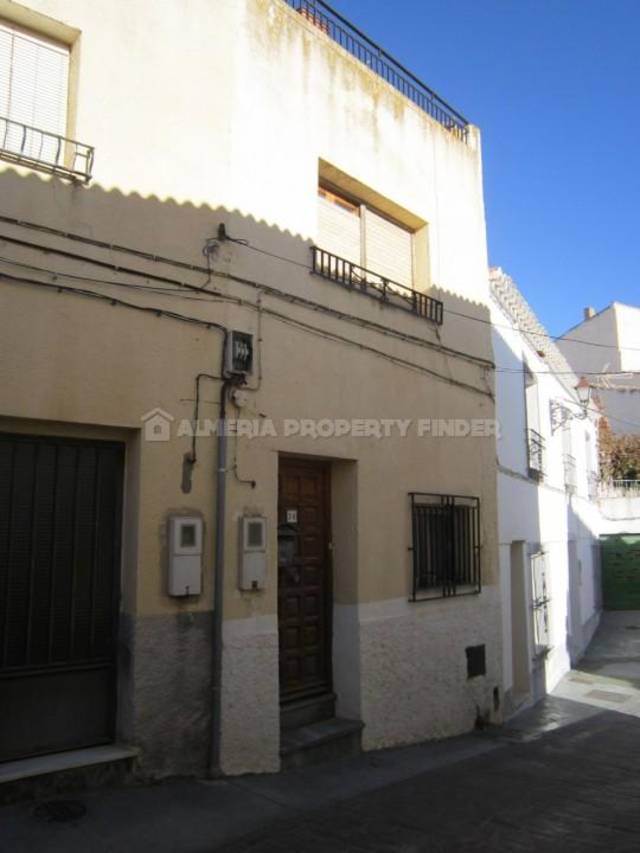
column 570, row 478
column 378, row 60
column 535, row 453
column 50, row 152
column 377, row 286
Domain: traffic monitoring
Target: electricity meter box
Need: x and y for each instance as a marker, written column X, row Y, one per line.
column 253, row 552
column 185, row 555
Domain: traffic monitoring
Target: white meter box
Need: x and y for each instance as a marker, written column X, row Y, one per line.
column 185, row 555
column 253, row 552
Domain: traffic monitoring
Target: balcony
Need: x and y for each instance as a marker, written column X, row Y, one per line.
column 535, row 455
column 570, row 476
column 366, row 51
column 48, row 152
column 372, row 284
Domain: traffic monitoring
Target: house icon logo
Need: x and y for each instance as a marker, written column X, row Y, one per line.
column 157, row 425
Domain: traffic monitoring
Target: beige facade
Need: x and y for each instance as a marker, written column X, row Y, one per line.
column 230, row 114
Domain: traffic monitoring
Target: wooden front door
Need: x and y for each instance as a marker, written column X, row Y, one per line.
column 304, row 578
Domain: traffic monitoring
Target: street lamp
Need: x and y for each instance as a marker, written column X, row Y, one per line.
column 583, row 390
column 560, row 414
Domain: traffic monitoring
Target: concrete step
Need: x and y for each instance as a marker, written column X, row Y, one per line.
column 321, row 741
column 306, row 711
column 75, row 770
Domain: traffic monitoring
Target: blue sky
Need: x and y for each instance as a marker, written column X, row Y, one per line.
column 554, row 86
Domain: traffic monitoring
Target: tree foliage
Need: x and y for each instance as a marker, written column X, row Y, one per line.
column 619, row 454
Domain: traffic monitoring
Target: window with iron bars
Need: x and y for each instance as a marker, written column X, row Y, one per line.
column 446, row 545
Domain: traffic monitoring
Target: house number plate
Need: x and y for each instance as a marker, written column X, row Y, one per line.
column 292, row 516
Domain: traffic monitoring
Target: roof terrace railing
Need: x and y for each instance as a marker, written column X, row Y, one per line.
column 353, row 40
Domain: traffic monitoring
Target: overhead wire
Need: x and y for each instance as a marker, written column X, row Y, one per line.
column 217, row 297
column 267, row 289
column 151, row 256
column 158, row 311
column 488, row 322
column 178, row 287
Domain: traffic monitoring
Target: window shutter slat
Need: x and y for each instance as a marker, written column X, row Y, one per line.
column 5, row 68
column 339, row 231
column 389, row 249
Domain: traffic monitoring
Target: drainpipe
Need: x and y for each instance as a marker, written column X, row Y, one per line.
column 218, row 575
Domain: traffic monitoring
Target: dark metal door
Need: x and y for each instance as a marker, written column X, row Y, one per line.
column 60, row 519
column 304, row 579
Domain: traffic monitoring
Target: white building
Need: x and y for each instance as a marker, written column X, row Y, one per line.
column 548, row 517
column 608, row 343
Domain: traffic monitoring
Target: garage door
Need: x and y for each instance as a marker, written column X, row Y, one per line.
column 60, row 518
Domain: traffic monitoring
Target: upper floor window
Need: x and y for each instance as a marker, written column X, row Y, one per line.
column 34, row 93
column 359, row 234
column 34, row 84
column 534, row 441
column 372, row 245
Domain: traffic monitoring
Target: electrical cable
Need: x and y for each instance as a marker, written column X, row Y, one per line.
column 102, row 244
column 113, row 300
column 172, row 290
column 272, row 291
column 281, row 317
column 179, row 291
column 539, row 334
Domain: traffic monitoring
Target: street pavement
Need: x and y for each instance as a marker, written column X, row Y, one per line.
column 563, row 776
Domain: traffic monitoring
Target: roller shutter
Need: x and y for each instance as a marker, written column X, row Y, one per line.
column 339, row 227
column 389, row 249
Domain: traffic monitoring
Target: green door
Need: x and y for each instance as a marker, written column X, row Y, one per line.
column 621, row 572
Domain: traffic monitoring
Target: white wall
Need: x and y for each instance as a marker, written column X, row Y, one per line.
column 620, row 514
column 628, row 324
column 543, row 515
column 602, row 328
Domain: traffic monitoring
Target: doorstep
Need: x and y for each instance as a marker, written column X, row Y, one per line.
column 324, row 740
column 75, row 770
column 44, row 765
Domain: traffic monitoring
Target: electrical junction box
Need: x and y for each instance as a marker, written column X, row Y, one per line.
column 185, row 555
column 253, row 552
column 239, row 355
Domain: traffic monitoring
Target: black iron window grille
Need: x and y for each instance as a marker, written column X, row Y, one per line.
column 48, row 152
column 540, row 605
column 377, row 286
column 355, row 42
column 535, row 454
column 446, row 545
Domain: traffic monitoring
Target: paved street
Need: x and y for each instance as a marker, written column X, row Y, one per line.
column 561, row 777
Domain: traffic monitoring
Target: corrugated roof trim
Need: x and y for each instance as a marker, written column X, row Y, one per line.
column 507, row 296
